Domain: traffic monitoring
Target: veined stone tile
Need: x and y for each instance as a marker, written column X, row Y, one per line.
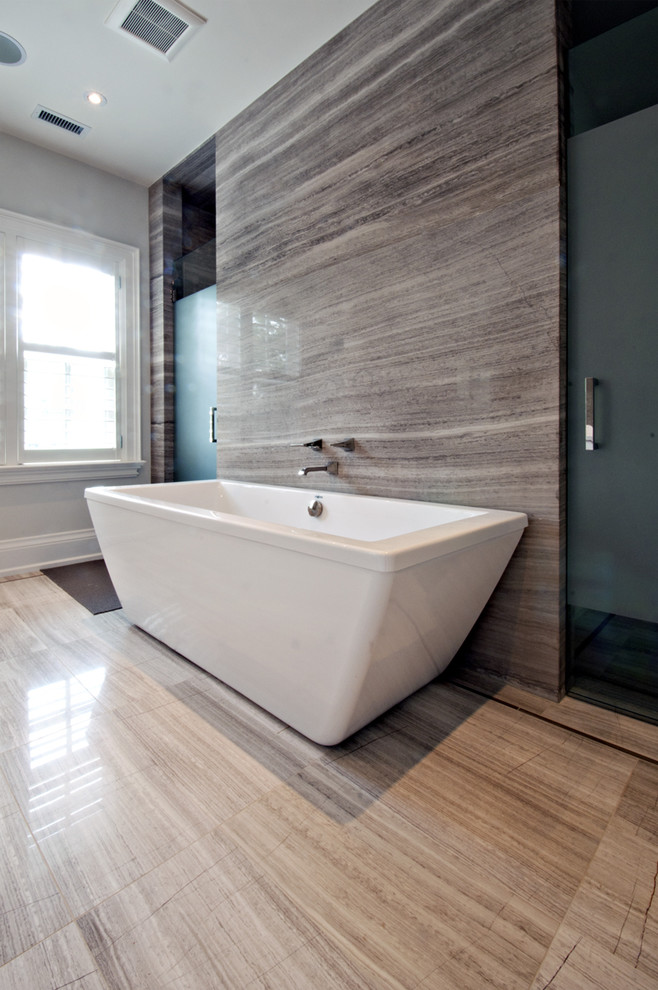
column 433, row 468
column 373, row 342
column 611, row 927
column 29, row 588
column 38, row 696
column 16, row 637
column 415, row 109
column 62, row 960
column 214, row 765
column 324, row 965
column 204, row 918
column 112, row 833
column 31, row 906
column 455, row 843
column 577, row 962
column 100, row 808
column 19, row 577
column 54, row 620
column 480, row 821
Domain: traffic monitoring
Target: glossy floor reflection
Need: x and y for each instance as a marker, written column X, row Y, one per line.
column 615, row 662
column 158, row 830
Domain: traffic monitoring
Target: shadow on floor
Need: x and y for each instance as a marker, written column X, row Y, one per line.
column 343, row 780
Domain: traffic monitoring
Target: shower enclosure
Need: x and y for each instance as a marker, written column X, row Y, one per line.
column 612, row 391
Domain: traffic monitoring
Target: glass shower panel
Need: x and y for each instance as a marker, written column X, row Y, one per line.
column 195, row 355
column 613, row 414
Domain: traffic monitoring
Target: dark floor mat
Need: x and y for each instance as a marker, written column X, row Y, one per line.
column 89, row 583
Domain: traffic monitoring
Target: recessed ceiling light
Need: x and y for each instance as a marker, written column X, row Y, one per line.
column 11, row 52
column 97, row 99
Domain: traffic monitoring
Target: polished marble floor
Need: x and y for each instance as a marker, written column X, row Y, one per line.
column 159, row 831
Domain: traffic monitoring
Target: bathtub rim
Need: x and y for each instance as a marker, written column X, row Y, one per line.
column 387, row 554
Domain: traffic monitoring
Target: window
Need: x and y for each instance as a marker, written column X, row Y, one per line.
column 71, row 388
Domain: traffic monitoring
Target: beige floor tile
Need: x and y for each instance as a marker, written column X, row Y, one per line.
column 128, row 645
column 576, row 962
column 533, row 801
column 129, row 691
column 29, row 590
column 203, row 919
column 204, row 761
column 137, row 679
column 75, row 748
column 101, row 809
column 323, row 965
column 31, row 906
column 126, row 834
column 53, row 620
column 633, row 735
column 112, row 631
column 616, row 907
column 452, row 846
column 89, row 653
column 20, row 577
column 380, row 892
column 62, row 960
column 456, row 843
column 36, row 696
column 16, row 636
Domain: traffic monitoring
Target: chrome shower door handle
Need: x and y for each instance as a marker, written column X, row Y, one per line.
column 590, row 442
column 212, row 437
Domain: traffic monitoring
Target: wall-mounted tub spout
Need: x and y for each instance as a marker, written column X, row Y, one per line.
column 330, row 468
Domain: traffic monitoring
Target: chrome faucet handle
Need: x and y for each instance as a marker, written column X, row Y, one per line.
column 313, row 444
column 345, row 444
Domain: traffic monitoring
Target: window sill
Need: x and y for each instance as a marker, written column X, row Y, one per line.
column 99, row 471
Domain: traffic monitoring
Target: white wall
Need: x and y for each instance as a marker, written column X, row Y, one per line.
column 48, row 523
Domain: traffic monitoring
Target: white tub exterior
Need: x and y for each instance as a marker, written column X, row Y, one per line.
column 324, row 622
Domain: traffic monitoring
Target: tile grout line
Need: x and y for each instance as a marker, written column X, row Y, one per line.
column 568, row 728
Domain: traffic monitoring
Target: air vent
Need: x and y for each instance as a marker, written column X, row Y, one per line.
column 164, row 26
column 59, row 120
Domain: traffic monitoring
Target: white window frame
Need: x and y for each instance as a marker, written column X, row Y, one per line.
column 14, row 466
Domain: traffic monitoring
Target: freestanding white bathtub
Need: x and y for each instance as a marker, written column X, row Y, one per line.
column 325, row 622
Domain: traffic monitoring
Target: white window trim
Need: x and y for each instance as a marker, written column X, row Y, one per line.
column 25, row 474
column 14, row 225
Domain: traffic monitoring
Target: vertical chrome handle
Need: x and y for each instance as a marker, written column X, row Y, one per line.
column 213, row 425
column 590, row 443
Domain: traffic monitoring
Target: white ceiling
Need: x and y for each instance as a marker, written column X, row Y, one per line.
column 157, row 111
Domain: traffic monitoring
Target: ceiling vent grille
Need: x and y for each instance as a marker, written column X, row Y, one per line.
column 164, row 26
column 59, row 120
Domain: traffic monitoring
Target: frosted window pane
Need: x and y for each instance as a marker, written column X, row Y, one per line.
column 66, row 305
column 70, row 402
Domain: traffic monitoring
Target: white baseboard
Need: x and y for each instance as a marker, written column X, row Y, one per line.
column 32, row 553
